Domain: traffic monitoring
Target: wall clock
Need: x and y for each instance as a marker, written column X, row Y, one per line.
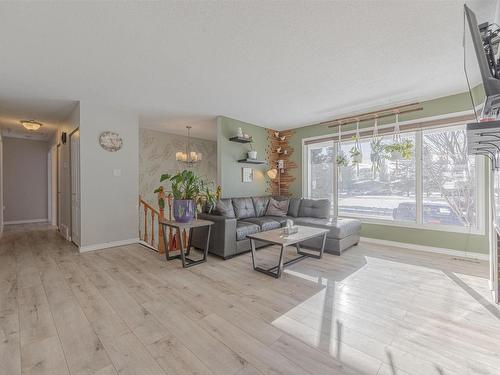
column 110, row 141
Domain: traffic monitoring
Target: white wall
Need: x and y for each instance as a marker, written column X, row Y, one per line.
column 109, row 203
column 25, row 180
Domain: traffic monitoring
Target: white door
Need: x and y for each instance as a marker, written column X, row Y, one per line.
column 75, row 187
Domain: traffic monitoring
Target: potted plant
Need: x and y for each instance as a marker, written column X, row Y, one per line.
column 342, row 160
column 189, row 192
column 401, row 150
column 356, row 155
column 252, row 154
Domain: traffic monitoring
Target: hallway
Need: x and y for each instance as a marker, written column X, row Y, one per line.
column 125, row 310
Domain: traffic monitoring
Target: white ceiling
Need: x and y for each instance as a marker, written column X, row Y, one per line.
column 275, row 64
column 49, row 112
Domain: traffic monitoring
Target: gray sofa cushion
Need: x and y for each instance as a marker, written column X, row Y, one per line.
column 339, row 228
column 265, row 223
column 260, row 205
column 277, row 208
column 224, row 207
column 243, row 208
column 318, row 208
column 293, row 207
column 244, row 228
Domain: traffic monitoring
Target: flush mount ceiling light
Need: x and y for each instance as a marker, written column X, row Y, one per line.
column 31, row 125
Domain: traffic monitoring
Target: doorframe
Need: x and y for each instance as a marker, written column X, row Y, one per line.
column 58, row 187
column 71, row 190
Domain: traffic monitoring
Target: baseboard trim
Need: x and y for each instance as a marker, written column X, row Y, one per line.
column 107, row 245
column 429, row 249
column 26, row 221
column 145, row 244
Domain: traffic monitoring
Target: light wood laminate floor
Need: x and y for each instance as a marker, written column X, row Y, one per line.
column 374, row 310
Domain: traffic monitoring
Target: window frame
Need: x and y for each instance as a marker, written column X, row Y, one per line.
column 480, row 166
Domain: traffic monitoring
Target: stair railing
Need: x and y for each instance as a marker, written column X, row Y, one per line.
column 150, row 232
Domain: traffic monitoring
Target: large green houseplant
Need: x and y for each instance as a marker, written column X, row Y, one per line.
column 189, row 192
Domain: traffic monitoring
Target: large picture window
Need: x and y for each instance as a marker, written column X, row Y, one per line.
column 435, row 185
column 378, row 186
column 449, row 179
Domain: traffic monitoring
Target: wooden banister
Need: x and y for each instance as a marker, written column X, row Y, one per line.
column 146, row 235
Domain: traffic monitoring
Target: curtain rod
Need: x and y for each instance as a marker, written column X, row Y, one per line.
column 372, row 115
column 389, row 128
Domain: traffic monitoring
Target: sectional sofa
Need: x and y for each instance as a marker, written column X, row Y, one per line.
column 235, row 218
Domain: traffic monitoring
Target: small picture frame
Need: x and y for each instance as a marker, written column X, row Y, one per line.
column 247, row 174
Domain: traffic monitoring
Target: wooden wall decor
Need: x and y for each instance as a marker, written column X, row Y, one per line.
column 278, row 148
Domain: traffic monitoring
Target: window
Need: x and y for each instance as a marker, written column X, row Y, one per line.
column 379, row 186
column 437, row 185
column 449, row 179
column 320, row 179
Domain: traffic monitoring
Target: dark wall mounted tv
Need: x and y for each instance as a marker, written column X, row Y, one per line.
column 485, row 39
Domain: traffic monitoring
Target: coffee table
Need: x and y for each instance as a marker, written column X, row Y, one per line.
column 277, row 237
column 185, row 248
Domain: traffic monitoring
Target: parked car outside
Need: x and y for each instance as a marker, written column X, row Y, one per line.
column 434, row 213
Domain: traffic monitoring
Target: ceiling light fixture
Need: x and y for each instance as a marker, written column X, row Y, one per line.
column 189, row 157
column 31, row 125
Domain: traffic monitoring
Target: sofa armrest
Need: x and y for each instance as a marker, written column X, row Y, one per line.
column 222, row 235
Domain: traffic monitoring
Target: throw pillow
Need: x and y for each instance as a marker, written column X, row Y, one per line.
column 224, row 207
column 277, row 208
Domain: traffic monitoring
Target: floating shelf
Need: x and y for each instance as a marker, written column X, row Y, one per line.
column 241, row 139
column 252, row 161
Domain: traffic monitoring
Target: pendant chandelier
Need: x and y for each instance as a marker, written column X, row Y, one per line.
column 189, row 157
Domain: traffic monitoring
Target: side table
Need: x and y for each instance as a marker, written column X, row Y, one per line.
column 186, row 248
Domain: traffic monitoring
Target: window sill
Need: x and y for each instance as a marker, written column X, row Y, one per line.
column 434, row 227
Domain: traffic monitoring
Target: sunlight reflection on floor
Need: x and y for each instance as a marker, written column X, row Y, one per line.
column 388, row 317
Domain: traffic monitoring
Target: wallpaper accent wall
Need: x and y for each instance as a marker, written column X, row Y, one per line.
column 157, row 155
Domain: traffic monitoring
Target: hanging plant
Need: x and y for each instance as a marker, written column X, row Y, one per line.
column 342, row 161
column 399, row 149
column 402, row 150
column 356, row 155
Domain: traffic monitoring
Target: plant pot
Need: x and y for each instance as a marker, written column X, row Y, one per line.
column 252, row 155
column 396, row 155
column 356, row 159
column 184, row 210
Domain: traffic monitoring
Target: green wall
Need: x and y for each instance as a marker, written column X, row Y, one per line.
column 456, row 241
column 228, row 154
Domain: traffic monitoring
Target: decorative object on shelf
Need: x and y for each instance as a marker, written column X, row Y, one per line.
column 110, row 141
column 252, row 154
column 278, row 156
column 190, row 192
column 31, row 125
column 246, row 174
column 189, row 157
column 239, row 133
